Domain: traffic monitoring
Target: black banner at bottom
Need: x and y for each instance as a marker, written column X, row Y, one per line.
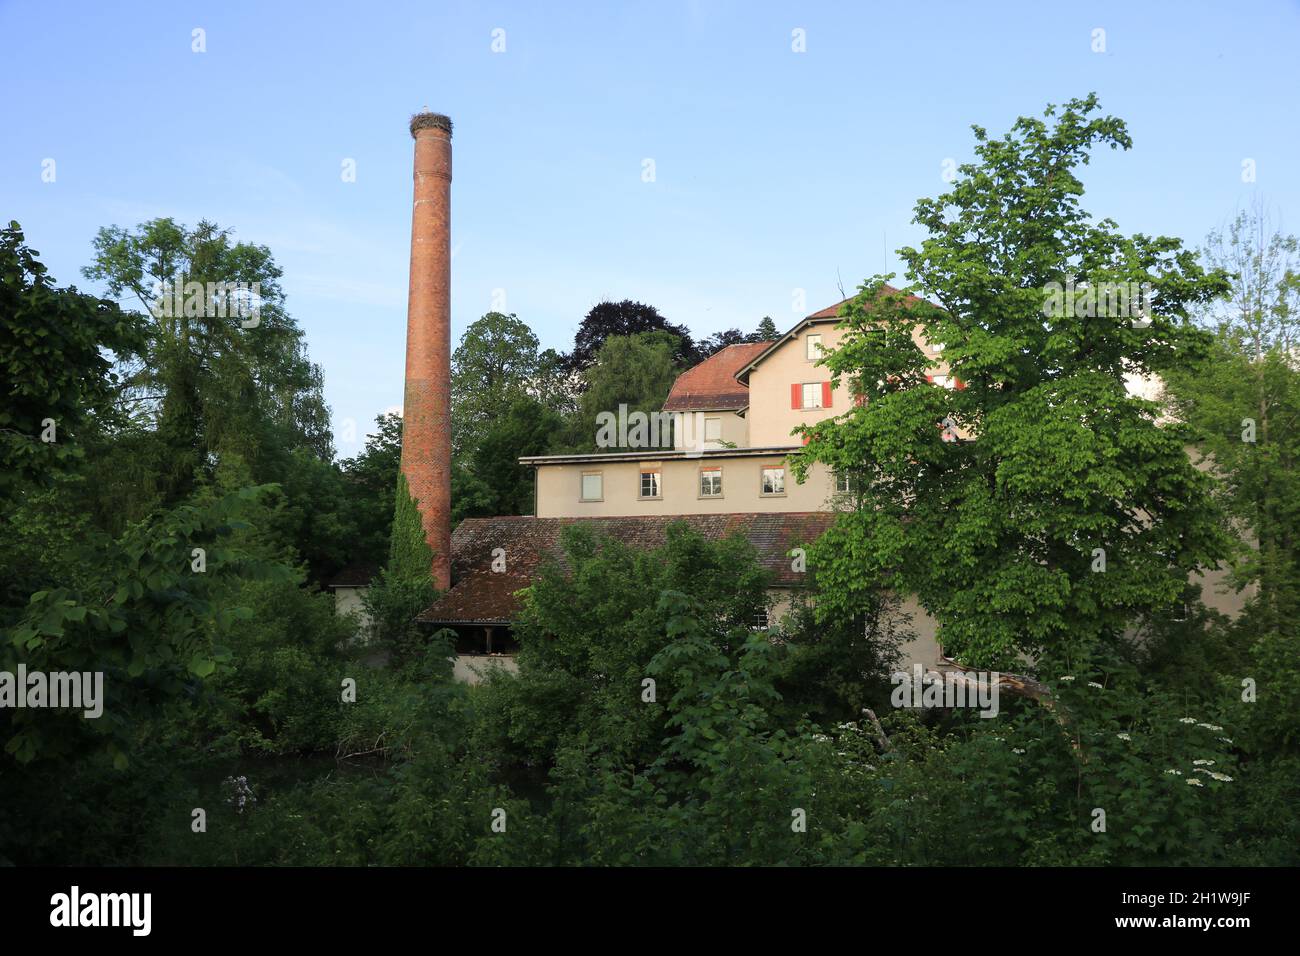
column 336, row 906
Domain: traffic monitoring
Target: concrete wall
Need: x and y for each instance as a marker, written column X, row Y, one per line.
column 559, row 488
column 472, row 668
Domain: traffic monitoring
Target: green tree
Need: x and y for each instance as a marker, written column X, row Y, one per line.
column 1002, row 536
column 608, row 320
column 495, row 363
column 1242, row 408
column 633, row 370
column 527, row 427
column 370, row 489
column 214, row 382
column 56, row 353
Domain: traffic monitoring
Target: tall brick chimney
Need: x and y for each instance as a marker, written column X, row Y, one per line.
column 426, row 416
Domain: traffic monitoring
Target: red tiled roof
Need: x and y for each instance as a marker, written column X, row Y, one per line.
column 712, row 384
column 833, row 311
column 480, row 595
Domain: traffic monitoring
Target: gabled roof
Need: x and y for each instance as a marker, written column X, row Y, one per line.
column 829, row 314
column 712, row 385
column 479, row 595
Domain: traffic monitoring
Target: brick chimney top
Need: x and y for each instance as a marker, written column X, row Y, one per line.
column 427, row 120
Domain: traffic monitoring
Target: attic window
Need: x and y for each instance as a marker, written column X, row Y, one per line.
column 813, row 347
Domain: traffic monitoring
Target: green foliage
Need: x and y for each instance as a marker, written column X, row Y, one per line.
column 633, row 370
column 409, row 557
column 56, row 351
column 142, row 615
column 495, row 364
column 998, row 535
column 211, row 387
column 608, row 320
column 648, row 723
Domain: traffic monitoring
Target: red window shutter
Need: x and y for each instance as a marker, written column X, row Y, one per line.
column 826, row 394
column 796, row 395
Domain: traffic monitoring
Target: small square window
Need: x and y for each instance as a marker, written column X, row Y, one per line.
column 713, row 429
column 811, row 394
column 710, row 482
column 773, row 481
column 759, row 622
column 813, row 347
column 593, row 487
column 843, row 483
column 649, row 484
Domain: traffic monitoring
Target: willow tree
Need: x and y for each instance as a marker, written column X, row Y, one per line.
column 1038, row 507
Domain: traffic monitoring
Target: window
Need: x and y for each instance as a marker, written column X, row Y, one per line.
column 593, row 487
column 813, row 347
column 759, row 621
column 650, row 483
column 843, row 483
column 710, row 482
column 811, row 395
column 713, row 429
column 773, row 481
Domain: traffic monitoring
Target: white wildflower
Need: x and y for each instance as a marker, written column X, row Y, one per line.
column 1195, row 782
column 1210, row 726
column 1187, row 720
column 1124, row 736
column 1221, row 776
column 1066, row 679
column 1176, row 773
column 1093, row 683
column 1017, row 750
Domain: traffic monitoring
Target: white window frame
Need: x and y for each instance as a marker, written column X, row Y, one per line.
column 813, row 346
column 658, row 484
column 716, row 423
column 762, row 472
column 816, row 395
column 700, row 487
column 582, row 485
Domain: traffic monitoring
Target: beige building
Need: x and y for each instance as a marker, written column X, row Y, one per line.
column 723, row 468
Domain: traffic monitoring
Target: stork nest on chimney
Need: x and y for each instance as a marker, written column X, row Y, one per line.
column 430, row 121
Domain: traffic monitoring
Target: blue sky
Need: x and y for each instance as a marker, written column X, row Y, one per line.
column 774, row 170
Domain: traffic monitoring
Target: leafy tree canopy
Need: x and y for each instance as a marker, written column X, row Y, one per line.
column 1068, row 510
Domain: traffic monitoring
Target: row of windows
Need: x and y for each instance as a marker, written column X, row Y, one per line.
column 771, row 482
